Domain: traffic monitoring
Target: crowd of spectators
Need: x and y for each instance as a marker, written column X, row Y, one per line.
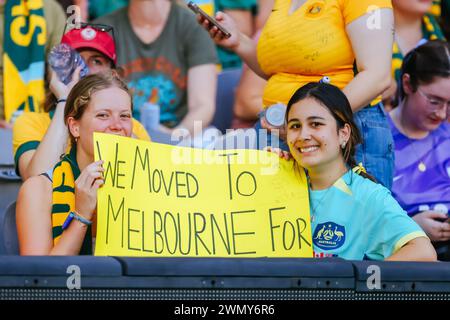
column 394, row 78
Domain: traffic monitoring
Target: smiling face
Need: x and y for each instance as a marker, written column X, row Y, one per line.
column 428, row 106
column 96, row 61
column 313, row 136
column 108, row 111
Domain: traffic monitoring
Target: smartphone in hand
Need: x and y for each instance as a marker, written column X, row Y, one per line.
column 211, row 20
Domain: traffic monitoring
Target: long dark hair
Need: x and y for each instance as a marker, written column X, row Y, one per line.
column 424, row 63
column 338, row 105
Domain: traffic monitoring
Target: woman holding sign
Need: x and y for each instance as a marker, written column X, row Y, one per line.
column 352, row 217
column 56, row 210
column 348, row 42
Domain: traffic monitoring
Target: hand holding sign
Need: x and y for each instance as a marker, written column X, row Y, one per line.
column 86, row 187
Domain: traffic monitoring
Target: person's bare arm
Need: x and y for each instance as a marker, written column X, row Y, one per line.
column 418, row 249
column 54, row 143
column 33, row 216
column 34, row 222
column 202, row 83
column 249, row 92
column 240, row 43
column 5, row 125
column 264, row 10
column 373, row 51
column 243, row 19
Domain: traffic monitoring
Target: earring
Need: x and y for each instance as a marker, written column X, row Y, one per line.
column 343, row 145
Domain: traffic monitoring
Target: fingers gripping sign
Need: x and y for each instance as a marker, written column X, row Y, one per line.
column 86, row 186
column 281, row 153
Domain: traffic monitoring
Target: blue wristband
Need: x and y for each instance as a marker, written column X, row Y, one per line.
column 73, row 215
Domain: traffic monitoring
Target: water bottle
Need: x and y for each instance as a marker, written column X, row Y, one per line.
column 275, row 114
column 64, row 60
column 150, row 116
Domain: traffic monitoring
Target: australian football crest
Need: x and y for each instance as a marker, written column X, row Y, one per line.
column 329, row 236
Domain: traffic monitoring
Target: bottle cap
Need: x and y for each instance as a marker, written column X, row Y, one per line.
column 275, row 114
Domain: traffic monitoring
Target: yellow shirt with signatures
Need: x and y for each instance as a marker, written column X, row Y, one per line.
column 308, row 44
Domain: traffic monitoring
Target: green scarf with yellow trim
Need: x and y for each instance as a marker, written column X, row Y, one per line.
column 430, row 31
column 25, row 36
column 64, row 175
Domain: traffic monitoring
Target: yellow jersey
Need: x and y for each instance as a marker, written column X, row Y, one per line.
column 308, row 44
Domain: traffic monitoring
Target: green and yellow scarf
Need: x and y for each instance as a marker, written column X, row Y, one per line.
column 435, row 9
column 64, row 175
column 24, row 56
column 430, row 31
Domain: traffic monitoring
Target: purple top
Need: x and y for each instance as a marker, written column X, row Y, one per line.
column 422, row 170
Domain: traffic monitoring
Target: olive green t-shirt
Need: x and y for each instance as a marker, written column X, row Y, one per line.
column 157, row 72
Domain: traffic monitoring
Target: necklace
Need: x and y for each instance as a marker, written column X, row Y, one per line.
column 421, row 166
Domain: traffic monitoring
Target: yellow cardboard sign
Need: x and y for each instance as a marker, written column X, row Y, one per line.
column 165, row 201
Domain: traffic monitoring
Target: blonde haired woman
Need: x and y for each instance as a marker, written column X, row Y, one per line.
column 56, row 211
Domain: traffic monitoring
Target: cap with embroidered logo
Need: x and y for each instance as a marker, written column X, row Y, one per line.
column 91, row 38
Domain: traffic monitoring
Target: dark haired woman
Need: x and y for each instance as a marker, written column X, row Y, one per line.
column 422, row 141
column 352, row 217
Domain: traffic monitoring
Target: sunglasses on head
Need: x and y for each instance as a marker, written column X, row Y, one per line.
column 96, row 26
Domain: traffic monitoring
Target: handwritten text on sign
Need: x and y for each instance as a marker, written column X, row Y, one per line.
column 154, row 204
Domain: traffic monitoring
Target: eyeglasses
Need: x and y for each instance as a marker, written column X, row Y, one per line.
column 434, row 104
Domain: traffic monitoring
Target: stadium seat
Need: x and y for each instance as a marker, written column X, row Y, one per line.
column 9, row 243
column 226, row 85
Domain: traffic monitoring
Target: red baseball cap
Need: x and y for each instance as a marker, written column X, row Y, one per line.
column 92, row 38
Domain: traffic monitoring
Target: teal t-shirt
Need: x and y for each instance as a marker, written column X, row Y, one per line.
column 357, row 219
column 99, row 8
column 228, row 59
